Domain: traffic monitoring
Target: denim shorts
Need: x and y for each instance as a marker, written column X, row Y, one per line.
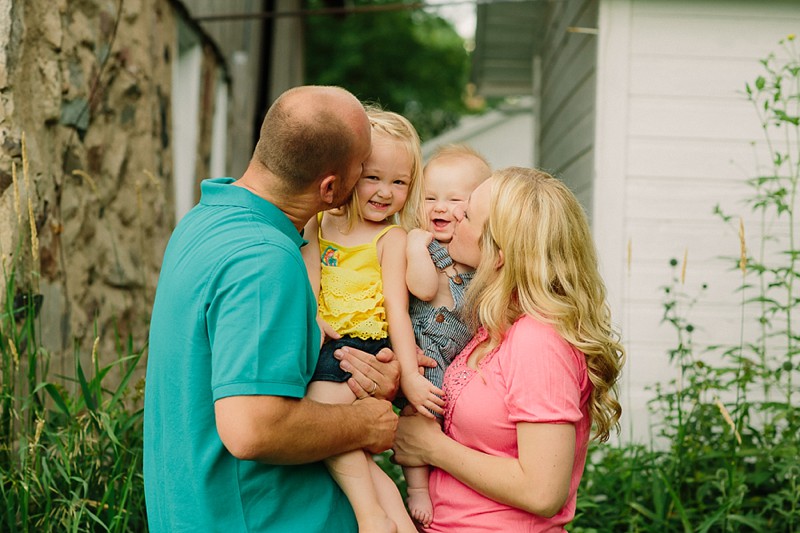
column 328, row 366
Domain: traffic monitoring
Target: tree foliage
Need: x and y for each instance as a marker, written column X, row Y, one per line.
column 408, row 61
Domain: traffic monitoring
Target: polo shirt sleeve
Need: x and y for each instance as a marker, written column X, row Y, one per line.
column 261, row 324
column 543, row 375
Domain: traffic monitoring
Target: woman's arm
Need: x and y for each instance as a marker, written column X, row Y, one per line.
column 538, row 482
column 418, row 391
column 422, row 278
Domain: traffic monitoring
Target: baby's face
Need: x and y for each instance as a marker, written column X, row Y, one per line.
column 448, row 184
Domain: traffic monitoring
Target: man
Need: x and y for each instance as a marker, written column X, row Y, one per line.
column 231, row 444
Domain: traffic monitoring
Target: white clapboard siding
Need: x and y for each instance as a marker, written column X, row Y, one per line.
column 676, row 136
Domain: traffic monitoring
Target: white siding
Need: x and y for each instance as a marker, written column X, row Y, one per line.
column 567, row 96
column 674, row 135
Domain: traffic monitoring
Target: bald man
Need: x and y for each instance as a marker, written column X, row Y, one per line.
column 230, row 442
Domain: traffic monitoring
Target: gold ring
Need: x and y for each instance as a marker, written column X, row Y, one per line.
column 374, row 388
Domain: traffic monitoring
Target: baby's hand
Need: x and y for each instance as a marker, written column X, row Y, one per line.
column 418, row 239
column 326, row 331
column 422, row 394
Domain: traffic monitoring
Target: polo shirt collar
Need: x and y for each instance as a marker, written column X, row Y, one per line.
column 217, row 191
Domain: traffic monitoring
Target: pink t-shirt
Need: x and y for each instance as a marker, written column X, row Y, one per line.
column 533, row 376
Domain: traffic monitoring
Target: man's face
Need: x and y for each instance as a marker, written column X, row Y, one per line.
column 361, row 151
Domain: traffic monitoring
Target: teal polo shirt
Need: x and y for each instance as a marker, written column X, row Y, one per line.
column 234, row 314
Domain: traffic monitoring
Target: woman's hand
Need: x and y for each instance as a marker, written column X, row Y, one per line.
column 416, row 437
column 373, row 375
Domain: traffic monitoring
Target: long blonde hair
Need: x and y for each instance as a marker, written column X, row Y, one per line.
column 550, row 273
column 400, row 129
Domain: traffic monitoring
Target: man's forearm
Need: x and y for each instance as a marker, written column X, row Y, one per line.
column 280, row 430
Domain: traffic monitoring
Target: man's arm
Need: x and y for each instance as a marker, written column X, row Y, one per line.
column 282, row 430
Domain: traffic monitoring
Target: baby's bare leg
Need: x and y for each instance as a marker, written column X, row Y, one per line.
column 419, row 499
column 351, row 470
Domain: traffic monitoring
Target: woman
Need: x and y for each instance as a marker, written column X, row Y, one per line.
column 540, row 370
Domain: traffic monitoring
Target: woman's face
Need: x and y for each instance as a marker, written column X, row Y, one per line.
column 464, row 248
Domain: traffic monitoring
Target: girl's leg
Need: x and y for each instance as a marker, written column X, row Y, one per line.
column 419, row 499
column 351, row 470
column 390, row 499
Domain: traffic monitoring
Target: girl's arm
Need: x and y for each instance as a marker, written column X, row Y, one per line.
column 537, row 482
column 310, row 253
column 420, row 392
column 422, row 278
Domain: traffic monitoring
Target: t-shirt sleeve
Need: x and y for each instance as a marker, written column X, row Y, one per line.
column 543, row 375
column 260, row 326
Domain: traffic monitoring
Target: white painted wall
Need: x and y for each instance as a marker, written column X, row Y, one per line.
column 218, row 165
column 673, row 138
column 186, row 73
column 503, row 137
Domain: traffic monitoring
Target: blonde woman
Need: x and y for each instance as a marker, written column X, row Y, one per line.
column 522, row 397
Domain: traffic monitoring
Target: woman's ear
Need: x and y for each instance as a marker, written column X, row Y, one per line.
column 501, row 260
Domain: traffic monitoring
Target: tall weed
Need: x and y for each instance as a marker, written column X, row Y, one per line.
column 70, row 448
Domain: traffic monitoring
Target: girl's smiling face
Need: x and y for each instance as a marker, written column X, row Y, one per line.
column 383, row 187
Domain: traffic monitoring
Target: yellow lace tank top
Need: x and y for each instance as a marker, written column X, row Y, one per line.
column 351, row 289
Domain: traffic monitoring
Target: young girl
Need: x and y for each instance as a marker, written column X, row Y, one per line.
column 437, row 283
column 357, row 264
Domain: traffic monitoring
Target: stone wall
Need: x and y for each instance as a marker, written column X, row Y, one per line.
column 85, row 99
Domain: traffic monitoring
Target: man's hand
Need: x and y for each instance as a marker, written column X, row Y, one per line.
column 373, row 375
column 380, row 435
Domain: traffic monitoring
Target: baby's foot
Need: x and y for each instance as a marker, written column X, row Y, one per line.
column 420, row 506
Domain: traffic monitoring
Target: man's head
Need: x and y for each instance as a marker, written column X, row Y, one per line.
column 312, row 132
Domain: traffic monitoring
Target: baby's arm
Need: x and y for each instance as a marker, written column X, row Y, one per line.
column 420, row 392
column 422, row 278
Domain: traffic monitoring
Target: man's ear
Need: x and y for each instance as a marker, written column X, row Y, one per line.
column 327, row 188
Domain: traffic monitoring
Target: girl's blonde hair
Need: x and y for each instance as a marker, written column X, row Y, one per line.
column 398, row 128
column 550, row 273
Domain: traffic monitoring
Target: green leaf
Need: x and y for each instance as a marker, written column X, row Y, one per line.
column 55, row 394
column 88, row 397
